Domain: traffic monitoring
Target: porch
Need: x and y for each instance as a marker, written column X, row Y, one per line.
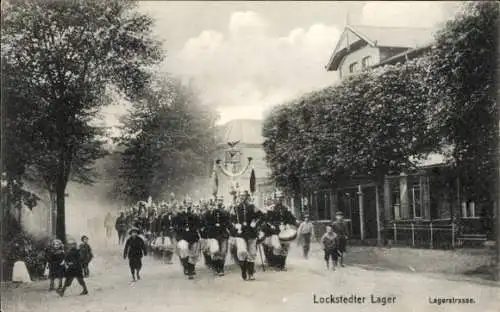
column 424, row 209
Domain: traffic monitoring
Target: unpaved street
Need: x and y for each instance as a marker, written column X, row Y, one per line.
column 163, row 288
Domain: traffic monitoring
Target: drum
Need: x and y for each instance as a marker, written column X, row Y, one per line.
column 155, row 243
column 288, row 234
column 274, row 242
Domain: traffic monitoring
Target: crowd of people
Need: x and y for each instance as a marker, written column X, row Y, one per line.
column 191, row 229
column 208, row 228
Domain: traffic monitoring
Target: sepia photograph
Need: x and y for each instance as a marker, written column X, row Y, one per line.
column 268, row 156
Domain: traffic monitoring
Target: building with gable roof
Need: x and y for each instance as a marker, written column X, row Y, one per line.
column 363, row 47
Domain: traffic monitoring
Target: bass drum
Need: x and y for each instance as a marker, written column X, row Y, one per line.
column 288, row 234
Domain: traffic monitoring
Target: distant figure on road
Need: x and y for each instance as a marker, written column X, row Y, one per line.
column 121, row 227
column 340, row 228
column 86, row 255
column 305, row 232
column 108, row 224
column 73, row 269
column 135, row 249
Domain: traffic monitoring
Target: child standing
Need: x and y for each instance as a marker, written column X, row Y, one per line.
column 329, row 244
column 86, row 255
column 73, row 269
column 55, row 258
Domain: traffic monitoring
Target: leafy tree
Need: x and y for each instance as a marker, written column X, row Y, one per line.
column 462, row 78
column 168, row 138
column 277, row 131
column 370, row 125
column 61, row 57
column 382, row 122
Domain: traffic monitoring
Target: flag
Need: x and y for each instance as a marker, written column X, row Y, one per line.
column 252, row 182
column 215, row 185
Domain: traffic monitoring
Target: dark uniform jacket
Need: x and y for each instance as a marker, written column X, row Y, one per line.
column 217, row 224
column 156, row 225
column 121, row 224
column 244, row 215
column 167, row 223
column 340, row 228
column 134, row 248
column 86, row 254
column 187, row 225
column 73, row 264
column 55, row 258
column 274, row 218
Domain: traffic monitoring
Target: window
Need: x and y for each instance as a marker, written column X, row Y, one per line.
column 321, row 205
column 353, row 67
column 468, row 209
column 415, row 201
column 366, row 62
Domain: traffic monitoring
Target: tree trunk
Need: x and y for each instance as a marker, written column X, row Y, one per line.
column 60, row 205
column 53, row 213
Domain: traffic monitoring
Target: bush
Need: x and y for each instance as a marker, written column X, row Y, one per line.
column 24, row 247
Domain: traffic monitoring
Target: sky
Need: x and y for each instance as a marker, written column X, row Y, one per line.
column 246, row 57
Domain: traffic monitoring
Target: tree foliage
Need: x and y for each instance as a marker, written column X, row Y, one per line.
column 463, row 78
column 368, row 126
column 59, row 59
column 168, row 138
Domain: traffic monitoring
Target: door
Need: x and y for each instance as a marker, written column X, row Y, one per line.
column 349, row 204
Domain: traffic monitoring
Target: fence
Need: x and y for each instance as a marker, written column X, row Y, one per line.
column 423, row 235
column 440, row 234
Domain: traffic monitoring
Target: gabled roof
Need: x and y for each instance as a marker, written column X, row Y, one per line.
column 376, row 36
column 396, row 37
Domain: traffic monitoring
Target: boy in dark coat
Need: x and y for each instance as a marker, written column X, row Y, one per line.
column 135, row 249
column 329, row 244
column 73, row 269
column 86, row 255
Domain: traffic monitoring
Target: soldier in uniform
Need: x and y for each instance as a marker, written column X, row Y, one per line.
column 187, row 226
column 276, row 220
column 340, row 228
column 246, row 220
column 217, row 225
column 166, row 221
column 204, row 218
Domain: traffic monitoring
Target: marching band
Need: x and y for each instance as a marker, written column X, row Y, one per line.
column 188, row 229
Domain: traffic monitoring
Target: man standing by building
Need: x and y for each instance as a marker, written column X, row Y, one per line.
column 340, row 228
column 305, row 233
